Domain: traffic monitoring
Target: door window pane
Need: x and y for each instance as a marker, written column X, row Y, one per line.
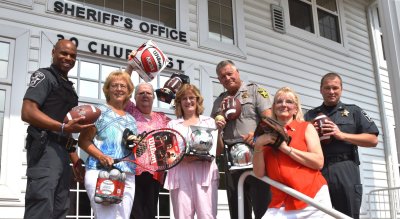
column 4, row 50
column 89, row 70
column 3, row 69
column 106, row 70
column 4, row 53
column 89, row 89
column 2, row 109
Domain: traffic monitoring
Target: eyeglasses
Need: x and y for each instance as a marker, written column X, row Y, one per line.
column 288, row 102
column 191, row 98
column 121, row 86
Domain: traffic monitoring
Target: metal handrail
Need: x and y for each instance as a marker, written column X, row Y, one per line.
column 332, row 212
column 392, row 201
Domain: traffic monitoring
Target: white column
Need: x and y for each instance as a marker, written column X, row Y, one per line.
column 389, row 11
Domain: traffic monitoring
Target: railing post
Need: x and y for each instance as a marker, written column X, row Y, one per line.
column 240, row 193
column 332, row 212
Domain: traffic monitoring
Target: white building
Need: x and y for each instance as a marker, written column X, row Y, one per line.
column 274, row 43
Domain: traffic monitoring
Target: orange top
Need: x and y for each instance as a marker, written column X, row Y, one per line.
column 282, row 168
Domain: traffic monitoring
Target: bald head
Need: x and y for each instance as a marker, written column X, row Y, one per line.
column 64, row 56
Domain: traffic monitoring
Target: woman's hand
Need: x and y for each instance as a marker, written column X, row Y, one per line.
column 264, row 139
column 106, row 161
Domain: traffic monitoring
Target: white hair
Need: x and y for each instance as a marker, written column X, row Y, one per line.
column 142, row 84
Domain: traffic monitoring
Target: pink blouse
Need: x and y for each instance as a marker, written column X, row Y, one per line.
column 188, row 172
column 158, row 120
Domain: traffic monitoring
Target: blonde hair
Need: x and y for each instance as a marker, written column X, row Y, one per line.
column 287, row 90
column 115, row 75
column 179, row 95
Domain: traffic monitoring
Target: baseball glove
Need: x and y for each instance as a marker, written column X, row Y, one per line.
column 270, row 126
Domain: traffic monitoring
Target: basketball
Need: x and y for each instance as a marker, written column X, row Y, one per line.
column 91, row 114
column 152, row 59
column 148, row 61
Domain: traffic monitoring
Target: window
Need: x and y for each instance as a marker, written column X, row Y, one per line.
column 6, row 47
column 320, row 17
column 223, row 29
column 161, row 12
column 220, row 21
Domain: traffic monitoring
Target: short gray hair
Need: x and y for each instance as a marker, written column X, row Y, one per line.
column 223, row 64
column 142, row 84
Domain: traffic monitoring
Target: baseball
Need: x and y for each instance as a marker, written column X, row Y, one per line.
column 219, row 118
column 98, row 199
column 115, row 174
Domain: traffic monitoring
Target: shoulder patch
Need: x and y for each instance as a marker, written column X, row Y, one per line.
column 263, row 92
column 36, row 78
column 366, row 116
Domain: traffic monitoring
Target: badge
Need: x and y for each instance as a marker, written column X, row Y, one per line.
column 36, row 78
column 245, row 95
column 264, row 93
column 345, row 112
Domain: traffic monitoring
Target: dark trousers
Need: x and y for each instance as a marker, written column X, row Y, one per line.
column 146, row 197
column 257, row 195
column 47, row 188
column 345, row 186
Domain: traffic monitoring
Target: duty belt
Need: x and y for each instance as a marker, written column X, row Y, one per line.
column 330, row 159
column 66, row 141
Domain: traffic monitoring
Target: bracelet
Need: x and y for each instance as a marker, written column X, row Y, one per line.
column 291, row 149
column 62, row 128
column 258, row 151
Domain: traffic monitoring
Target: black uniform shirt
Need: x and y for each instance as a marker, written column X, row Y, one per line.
column 350, row 119
column 54, row 95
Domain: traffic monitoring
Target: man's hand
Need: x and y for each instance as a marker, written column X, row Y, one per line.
column 79, row 171
column 329, row 128
column 249, row 139
column 220, row 124
column 73, row 126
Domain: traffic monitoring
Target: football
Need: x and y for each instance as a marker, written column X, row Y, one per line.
column 319, row 121
column 231, row 108
column 91, row 114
